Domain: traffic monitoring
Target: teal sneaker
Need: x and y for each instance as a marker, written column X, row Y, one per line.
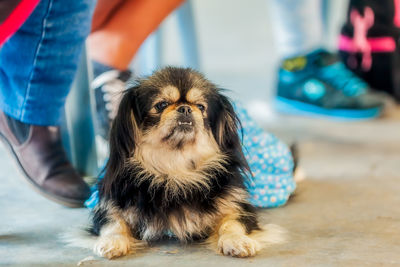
column 319, row 84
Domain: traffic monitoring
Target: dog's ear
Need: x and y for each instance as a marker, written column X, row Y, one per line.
column 226, row 130
column 226, row 125
column 125, row 127
column 123, row 136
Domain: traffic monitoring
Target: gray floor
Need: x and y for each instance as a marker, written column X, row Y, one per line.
column 344, row 213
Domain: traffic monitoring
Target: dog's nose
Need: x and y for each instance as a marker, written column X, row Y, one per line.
column 185, row 110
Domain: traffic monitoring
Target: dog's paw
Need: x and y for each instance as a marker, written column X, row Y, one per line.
column 236, row 245
column 113, row 246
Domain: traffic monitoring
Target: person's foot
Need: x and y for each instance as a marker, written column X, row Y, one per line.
column 41, row 157
column 319, row 84
column 108, row 88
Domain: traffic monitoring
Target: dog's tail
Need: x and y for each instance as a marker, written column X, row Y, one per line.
column 298, row 173
column 295, row 155
column 270, row 234
column 79, row 237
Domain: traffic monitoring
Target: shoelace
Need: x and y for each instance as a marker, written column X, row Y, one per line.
column 112, row 93
column 343, row 79
column 112, row 88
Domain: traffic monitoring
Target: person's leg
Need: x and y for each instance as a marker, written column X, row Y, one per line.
column 312, row 81
column 38, row 63
column 119, row 28
column 117, row 40
column 37, row 67
column 297, row 26
column 103, row 12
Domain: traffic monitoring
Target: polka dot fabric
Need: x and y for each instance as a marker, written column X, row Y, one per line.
column 270, row 161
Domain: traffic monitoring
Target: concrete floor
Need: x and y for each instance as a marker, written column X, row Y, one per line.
column 345, row 213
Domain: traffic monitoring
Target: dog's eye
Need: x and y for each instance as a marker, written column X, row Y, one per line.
column 160, row 106
column 201, row 107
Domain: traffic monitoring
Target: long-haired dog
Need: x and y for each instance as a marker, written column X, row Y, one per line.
column 176, row 166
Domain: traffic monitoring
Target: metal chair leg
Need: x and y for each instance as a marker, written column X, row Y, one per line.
column 187, row 32
column 78, row 132
column 150, row 55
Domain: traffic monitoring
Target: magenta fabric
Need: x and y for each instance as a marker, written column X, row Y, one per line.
column 396, row 20
column 15, row 20
column 378, row 44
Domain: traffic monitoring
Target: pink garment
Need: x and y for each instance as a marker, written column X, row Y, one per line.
column 396, row 20
column 378, row 44
column 360, row 42
column 361, row 26
column 15, row 20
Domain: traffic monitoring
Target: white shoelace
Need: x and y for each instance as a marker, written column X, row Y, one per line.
column 112, row 88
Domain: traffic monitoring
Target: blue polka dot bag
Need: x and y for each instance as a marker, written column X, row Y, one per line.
column 270, row 161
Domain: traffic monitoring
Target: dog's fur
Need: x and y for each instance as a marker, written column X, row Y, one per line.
column 174, row 169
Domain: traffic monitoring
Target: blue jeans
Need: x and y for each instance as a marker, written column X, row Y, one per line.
column 38, row 63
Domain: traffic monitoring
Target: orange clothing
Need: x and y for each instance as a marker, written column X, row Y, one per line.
column 120, row 26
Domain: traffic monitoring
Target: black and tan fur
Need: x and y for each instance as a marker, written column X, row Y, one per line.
column 175, row 169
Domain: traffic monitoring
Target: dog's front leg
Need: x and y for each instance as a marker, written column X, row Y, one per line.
column 115, row 239
column 233, row 240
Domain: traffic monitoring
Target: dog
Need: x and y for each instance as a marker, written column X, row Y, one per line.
column 176, row 166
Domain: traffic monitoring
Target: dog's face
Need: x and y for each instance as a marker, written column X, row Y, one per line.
column 174, row 108
column 173, row 123
column 178, row 116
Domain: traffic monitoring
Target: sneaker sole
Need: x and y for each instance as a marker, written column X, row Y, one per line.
column 60, row 200
column 289, row 106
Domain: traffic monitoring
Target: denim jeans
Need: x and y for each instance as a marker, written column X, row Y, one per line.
column 39, row 62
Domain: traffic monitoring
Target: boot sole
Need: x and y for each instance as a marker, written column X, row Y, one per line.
column 58, row 199
column 289, row 106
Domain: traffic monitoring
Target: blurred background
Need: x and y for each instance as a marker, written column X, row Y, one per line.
column 237, row 50
column 236, row 45
column 345, row 211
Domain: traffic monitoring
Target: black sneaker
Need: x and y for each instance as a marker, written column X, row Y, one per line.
column 108, row 88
